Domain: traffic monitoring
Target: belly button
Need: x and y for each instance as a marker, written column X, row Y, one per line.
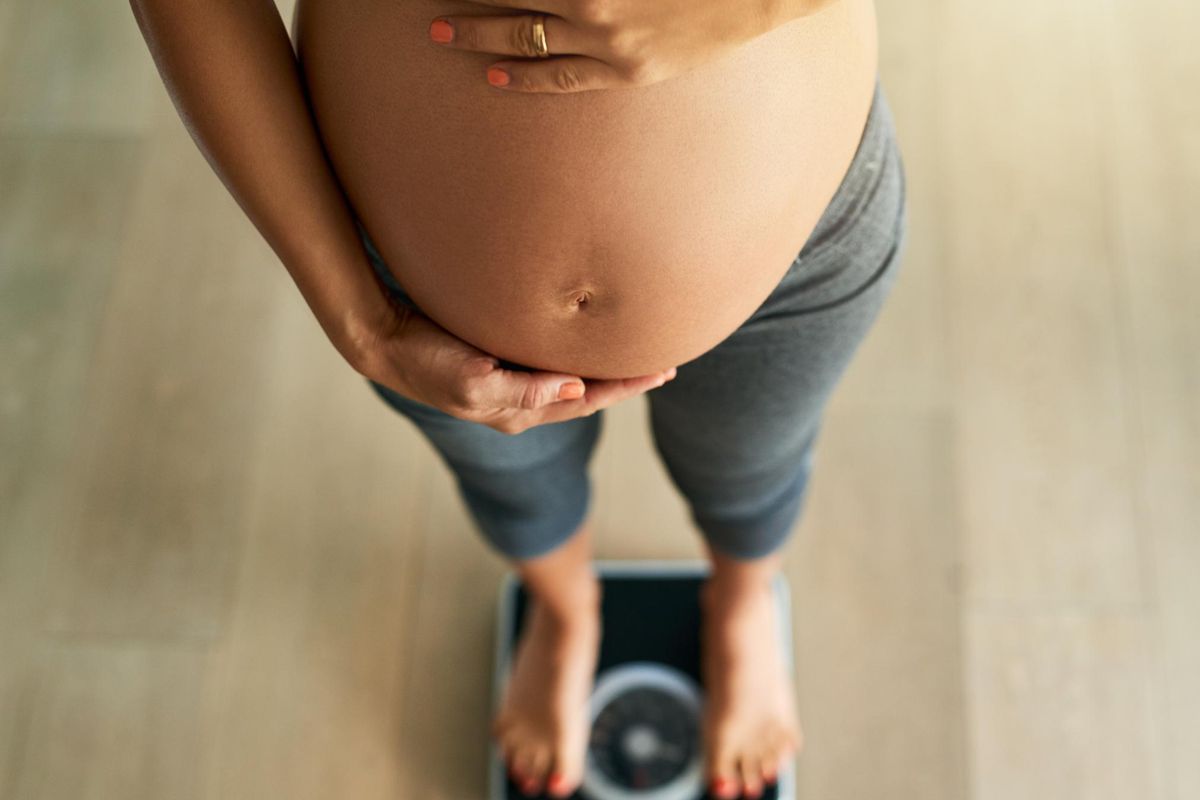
column 581, row 299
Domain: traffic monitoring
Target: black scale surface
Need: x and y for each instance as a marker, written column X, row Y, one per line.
column 646, row 618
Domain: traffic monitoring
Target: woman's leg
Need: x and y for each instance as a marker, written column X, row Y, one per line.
column 526, row 492
column 737, row 430
column 751, row 723
column 542, row 726
column 529, row 495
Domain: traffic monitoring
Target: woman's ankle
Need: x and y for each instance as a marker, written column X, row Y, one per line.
column 732, row 584
column 571, row 598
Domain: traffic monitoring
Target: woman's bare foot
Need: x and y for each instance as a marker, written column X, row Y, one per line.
column 750, row 723
column 543, row 723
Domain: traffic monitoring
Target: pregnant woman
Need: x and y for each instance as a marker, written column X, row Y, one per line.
column 509, row 216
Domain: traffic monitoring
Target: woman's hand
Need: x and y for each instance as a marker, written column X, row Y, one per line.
column 605, row 44
column 421, row 360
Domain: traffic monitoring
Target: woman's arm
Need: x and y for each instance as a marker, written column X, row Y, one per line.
column 232, row 74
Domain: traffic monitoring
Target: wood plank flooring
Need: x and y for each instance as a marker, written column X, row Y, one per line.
column 228, row 571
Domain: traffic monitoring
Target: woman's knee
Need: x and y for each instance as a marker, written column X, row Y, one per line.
column 753, row 528
column 527, row 493
column 744, row 505
column 526, row 515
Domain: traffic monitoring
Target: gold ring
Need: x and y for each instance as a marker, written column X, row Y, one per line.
column 539, row 36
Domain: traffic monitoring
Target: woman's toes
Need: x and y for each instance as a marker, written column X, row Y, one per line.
column 566, row 771
column 751, row 775
column 724, row 787
column 723, row 773
column 532, row 766
column 522, row 768
column 777, row 755
column 541, row 768
column 772, row 758
column 556, row 785
column 559, row 784
column 527, row 785
column 771, row 761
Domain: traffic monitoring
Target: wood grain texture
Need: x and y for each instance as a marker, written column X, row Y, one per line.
column 317, row 653
column 148, row 543
column 1035, row 343
column 74, row 66
column 1154, row 191
column 877, row 592
column 228, row 571
column 1064, row 706
column 61, row 211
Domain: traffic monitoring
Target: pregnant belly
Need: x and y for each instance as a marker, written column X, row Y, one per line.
column 608, row 233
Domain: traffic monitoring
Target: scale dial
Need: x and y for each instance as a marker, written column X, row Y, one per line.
column 645, row 741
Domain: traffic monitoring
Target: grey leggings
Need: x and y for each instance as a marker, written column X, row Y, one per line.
column 736, row 428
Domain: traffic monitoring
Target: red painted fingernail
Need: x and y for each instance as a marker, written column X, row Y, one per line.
column 557, row 782
column 497, row 76
column 441, row 31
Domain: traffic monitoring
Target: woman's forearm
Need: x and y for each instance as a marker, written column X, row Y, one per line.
column 234, row 79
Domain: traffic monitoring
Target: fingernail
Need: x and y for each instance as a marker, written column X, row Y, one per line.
column 556, row 783
column 570, row 391
column 441, row 31
column 723, row 787
column 497, row 76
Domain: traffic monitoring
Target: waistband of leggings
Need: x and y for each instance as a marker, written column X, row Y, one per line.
column 875, row 151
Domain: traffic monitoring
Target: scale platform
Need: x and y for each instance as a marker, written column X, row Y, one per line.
column 645, row 741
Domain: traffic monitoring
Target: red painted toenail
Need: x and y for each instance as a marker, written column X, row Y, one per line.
column 723, row 788
column 557, row 784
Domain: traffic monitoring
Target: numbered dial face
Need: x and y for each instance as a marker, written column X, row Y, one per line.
column 644, row 738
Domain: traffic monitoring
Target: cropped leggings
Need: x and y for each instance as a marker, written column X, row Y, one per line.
column 736, row 428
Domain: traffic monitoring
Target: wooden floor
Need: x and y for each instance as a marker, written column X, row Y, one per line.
column 228, row 571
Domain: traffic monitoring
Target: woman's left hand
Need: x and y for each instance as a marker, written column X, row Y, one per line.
column 606, row 44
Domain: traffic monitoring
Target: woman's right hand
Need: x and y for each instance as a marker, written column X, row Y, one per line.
column 421, row 360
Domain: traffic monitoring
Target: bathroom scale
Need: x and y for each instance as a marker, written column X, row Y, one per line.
column 645, row 708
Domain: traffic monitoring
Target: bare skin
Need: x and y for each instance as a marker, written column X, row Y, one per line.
column 750, row 725
column 605, row 234
column 542, row 724
column 523, row 227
